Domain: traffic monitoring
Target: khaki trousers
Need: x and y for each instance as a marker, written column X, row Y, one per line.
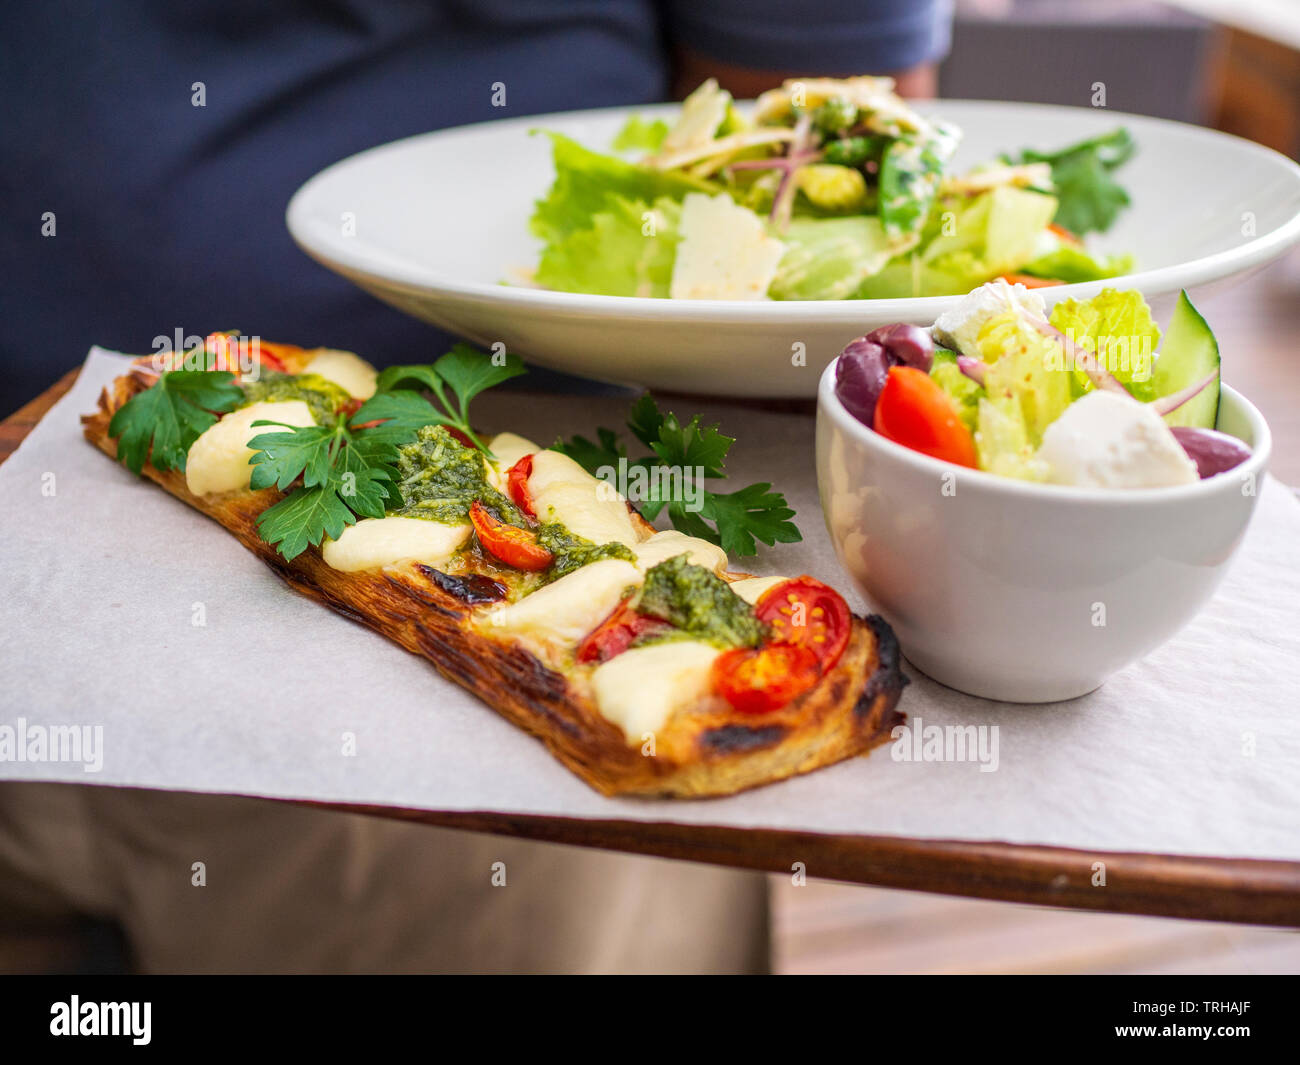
column 294, row 889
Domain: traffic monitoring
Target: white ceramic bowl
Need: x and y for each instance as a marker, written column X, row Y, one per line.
column 434, row 224
column 1023, row 592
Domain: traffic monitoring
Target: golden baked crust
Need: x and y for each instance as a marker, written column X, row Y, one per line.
column 709, row 751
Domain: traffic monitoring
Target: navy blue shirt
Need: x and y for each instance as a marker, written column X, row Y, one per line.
column 170, row 216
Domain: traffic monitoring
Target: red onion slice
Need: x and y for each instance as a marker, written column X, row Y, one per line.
column 1174, row 400
column 972, row 368
column 783, row 201
column 1084, row 359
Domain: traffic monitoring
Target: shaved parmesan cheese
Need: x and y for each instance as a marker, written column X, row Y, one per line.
column 702, row 113
column 752, row 589
column 884, row 111
column 725, row 252
column 639, row 689
column 1030, row 175
column 563, row 491
column 665, row 545
column 218, row 460
column 350, row 372
column 563, row 612
column 375, row 542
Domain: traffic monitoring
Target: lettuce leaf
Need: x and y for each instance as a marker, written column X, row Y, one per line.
column 965, row 242
column 1118, row 327
column 639, row 135
column 1071, row 265
column 587, row 183
column 828, row 258
column 1024, row 379
column 964, row 392
column 628, row 250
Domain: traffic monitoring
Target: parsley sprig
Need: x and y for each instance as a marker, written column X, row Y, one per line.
column 349, row 470
column 345, row 474
column 160, row 424
column 453, row 381
column 753, row 513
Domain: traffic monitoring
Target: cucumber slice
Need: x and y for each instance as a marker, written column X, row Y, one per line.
column 1188, row 354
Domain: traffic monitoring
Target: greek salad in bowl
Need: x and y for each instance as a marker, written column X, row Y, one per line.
column 1088, row 395
column 830, row 189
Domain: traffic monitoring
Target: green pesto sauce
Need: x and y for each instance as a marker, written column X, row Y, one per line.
column 323, row 397
column 441, row 477
column 573, row 552
column 699, row 604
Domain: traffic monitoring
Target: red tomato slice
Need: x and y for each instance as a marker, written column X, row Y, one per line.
column 513, row 546
column 806, row 613
column 615, row 634
column 517, row 482
column 915, row 412
column 762, row 680
column 1030, row 281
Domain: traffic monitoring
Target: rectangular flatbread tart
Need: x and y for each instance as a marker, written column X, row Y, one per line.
column 643, row 662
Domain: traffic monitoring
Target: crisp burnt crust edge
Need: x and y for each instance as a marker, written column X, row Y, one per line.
column 710, row 753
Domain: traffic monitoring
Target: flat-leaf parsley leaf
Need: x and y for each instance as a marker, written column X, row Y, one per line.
column 740, row 518
column 160, row 424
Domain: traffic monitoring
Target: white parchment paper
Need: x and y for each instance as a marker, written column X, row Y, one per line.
column 1195, row 750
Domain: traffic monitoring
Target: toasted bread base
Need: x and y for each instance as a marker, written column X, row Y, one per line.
column 713, row 751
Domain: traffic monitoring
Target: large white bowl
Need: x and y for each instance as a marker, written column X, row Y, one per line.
column 433, row 225
column 1023, row 592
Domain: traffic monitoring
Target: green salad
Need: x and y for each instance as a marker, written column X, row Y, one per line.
column 833, row 189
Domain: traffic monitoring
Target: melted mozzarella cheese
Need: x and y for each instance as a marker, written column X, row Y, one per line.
column 752, row 589
column 639, row 689
column 350, row 372
column 665, row 545
column 563, row 491
column 218, row 459
column 375, row 542
column 564, row 611
column 509, row 448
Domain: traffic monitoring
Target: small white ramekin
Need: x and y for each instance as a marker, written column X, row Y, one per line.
column 1024, row 592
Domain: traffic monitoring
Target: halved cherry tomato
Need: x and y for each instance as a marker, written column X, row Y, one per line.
column 517, row 482
column 271, row 356
column 807, row 613
column 513, row 546
column 756, row 681
column 915, row 412
column 615, row 634
column 1030, row 281
column 226, row 350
